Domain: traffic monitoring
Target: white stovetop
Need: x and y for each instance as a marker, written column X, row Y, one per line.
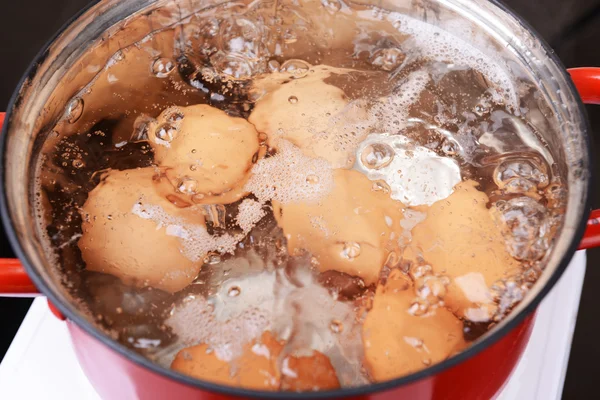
column 40, row 363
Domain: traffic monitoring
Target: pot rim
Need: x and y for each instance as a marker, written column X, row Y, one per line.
column 471, row 351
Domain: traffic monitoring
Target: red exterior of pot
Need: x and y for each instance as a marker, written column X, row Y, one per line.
column 480, row 377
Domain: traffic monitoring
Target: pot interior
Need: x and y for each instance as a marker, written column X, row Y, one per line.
column 97, row 75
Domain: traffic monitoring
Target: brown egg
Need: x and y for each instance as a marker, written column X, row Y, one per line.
column 460, row 240
column 129, row 244
column 398, row 343
column 205, row 153
column 255, row 369
column 308, row 113
column 308, row 373
column 347, row 231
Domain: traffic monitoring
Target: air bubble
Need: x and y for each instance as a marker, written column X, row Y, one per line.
column 234, row 291
column 235, row 67
column 212, row 259
column 293, row 99
column 262, row 138
column 350, row 251
column 273, row 65
column 175, row 116
column 523, row 170
column 78, row 163
column 377, row 155
column 187, row 185
column 74, row 110
column 449, row 147
column 162, row 67
column 524, row 225
column 297, row 68
column 381, row 186
column 418, row 307
column 336, row 326
column 388, row 59
column 166, row 132
column 312, row 179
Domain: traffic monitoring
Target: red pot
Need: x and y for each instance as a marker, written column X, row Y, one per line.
column 119, row 373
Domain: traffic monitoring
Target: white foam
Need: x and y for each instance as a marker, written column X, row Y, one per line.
column 290, row 176
column 416, row 175
column 440, row 45
column 194, row 322
column 249, row 213
column 196, row 241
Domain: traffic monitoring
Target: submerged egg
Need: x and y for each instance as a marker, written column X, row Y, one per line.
column 396, row 342
column 260, row 367
column 121, row 238
column 460, row 239
column 205, row 151
column 348, row 230
column 307, row 112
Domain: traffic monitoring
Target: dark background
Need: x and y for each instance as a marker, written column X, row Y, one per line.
column 572, row 27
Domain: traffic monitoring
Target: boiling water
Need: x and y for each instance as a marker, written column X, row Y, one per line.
column 420, row 112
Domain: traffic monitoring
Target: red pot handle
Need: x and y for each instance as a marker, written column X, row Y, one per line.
column 587, row 82
column 14, row 279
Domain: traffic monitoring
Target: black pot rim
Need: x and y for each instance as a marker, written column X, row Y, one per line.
column 473, row 350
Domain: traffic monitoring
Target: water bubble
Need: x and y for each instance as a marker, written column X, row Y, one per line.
column 388, row 59
column 141, row 128
column 234, row 291
column 418, row 307
column 449, row 147
column 336, row 326
column 377, row 155
column 273, row 65
column 74, row 110
column 312, row 179
column 524, row 225
column 530, row 170
column 166, row 132
column 212, row 259
column 481, row 109
column 332, row 6
column 78, row 163
column 262, row 138
column 419, row 271
column 432, row 288
column 350, row 251
column 381, row 186
column 162, row 67
column 293, row 99
column 297, row 68
column 187, row 185
column 175, row 116
column 233, row 66
column 198, row 198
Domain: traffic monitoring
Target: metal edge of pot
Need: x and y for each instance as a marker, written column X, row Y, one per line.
column 470, row 352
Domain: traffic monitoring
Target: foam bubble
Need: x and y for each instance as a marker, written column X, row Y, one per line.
column 290, row 176
column 249, row 213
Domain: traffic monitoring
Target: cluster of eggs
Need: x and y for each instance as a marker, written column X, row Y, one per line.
column 147, row 227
